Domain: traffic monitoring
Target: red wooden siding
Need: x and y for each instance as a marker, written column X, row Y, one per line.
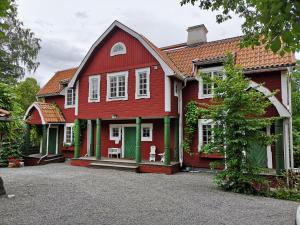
column 34, row 118
column 59, row 100
column 102, row 63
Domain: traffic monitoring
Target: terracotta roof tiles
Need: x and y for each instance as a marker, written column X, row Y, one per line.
column 50, row 113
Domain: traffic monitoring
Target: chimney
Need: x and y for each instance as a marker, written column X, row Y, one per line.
column 196, row 34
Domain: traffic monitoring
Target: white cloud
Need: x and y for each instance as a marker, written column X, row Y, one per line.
column 68, row 31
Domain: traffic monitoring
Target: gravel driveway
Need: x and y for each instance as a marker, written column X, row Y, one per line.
column 61, row 194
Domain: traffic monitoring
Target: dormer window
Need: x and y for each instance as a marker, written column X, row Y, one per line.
column 118, row 49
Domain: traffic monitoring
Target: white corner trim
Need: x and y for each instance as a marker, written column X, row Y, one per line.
column 167, row 70
column 99, row 86
column 167, row 94
column 150, row 126
column 269, row 150
column 34, row 105
column 122, row 73
column 283, row 112
column 122, row 52
column 284, row 88
column 286, row 143
column 77, row 98
column 137, row 83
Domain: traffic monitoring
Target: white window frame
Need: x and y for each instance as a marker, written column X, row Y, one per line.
column 137, row 83
column 201, row 82
column 111, row 137
column 65, row 133
column 150, row 126
column 66, row 98
column 202, row 122
column 176, row 88
column 122, row 52
column 90, row 85
column 117, row 74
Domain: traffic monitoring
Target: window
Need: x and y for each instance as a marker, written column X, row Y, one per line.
column 69, row 134
column 205, row 87
column 114, row 132
column 117, row 86
column 118, row 49
column 205, row 132
column 94, row 88
column 176, row 88
column 70, row 98
column 142, row 84
column 147, row 130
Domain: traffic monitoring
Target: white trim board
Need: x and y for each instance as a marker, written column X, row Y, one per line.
column 167, row 70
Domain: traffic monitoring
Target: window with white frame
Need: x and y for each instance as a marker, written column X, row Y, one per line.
column 206, row 87
column 146, row 132
column 94, row 88
column 142, row 83
column 117, row 86
column 205, row 132
column 70, row 97
column 69, row 134
column 114, row 132
column 176, row 88
column 118, row 49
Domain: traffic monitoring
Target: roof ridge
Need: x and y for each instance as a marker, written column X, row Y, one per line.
column 182, row 46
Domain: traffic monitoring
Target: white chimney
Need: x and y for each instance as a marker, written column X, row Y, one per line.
column 196, row 34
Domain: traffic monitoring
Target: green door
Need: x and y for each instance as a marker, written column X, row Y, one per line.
column 129, row 142
column 52, row 141
column 258, row 154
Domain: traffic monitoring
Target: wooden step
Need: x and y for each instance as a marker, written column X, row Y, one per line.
column 121, row 166
column 116, row 162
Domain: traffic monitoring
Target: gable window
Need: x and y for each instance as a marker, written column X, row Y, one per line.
column 70, row 98
column 117, row 86
column 118, row 49
column 206, row 87
column 142, row 83
column 69, row 134
column 147, row 130
column 114, row 132
column 205, row 132
column 94, row 88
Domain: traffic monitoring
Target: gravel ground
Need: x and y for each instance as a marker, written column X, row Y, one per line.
column 62, row 194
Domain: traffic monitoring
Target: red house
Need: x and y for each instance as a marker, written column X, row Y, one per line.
column 128, row 95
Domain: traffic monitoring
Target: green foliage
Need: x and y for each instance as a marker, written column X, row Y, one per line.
column 18, row 45
column 238, row 114
column 191, row 121
column 271, row 22
column 9, row 150
column 26, row 92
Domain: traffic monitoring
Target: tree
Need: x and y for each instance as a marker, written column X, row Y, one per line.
column 18, row 45
column 30, row 87
column 236, row 111
column 275, row 23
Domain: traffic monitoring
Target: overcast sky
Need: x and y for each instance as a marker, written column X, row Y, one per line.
column 68, row 28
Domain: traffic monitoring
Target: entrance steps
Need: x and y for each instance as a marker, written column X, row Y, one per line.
column 117, row 165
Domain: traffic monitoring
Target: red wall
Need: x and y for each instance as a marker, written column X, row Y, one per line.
column 102, row 63
column 59, row 100
column 271, row 80
column 35, row 117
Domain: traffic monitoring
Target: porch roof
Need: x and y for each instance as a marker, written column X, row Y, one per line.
column 48, row 113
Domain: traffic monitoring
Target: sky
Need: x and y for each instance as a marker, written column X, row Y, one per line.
column 68, row 28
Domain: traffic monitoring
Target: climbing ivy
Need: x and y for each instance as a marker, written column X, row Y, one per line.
column 192, row 114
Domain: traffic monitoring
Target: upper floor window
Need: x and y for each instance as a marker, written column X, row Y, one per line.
column 118, row 49
column 94, row 88
column 205, row 132
column 70, row 98
column 69, row 134
column 206, row 87
column 117, row 86
column 142, row 84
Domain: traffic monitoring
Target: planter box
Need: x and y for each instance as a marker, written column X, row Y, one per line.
column 211, row 155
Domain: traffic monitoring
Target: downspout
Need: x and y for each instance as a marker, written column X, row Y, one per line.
column 181, row 122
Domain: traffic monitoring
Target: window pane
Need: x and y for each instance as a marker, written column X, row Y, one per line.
column 115, row 132
column 113, row 87
column 70, row 97
column 121, row 86
column 146, row 132
column 206, row 134
column 143, row 83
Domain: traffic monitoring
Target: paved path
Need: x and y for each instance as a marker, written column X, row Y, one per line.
column 61, row 194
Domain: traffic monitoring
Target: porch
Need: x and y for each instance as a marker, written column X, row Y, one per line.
column 127, row 164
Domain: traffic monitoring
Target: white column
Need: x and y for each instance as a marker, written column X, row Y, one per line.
column 286, row 141
column 269, row 150
column 88, row 127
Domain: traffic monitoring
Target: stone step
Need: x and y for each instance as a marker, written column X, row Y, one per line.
column 57, row 159
column 98, row 165
column 117, row 162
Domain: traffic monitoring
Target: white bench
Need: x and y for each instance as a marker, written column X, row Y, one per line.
column 114, row 151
